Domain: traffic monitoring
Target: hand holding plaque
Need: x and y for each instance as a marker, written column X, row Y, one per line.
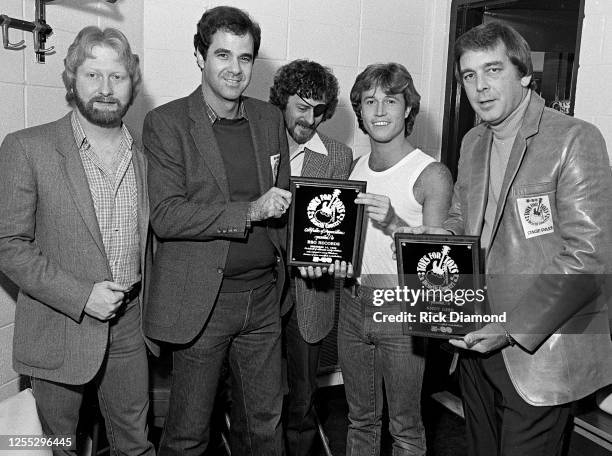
column 325, row 223
column 443, row 273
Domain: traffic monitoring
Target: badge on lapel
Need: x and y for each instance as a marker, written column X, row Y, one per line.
column 274, row 162
column 536, row 215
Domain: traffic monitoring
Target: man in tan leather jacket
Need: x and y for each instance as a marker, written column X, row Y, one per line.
column 533, row 184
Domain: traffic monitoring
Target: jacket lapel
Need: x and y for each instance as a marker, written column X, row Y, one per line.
column 259, row 135
column 75, row 177
column 529, row 127
column 204, row 139
column 316, row 165
column 479, row 182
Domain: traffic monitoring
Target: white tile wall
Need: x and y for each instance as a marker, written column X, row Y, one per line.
column 169, row 72
column 68, row 15
column 345, row 13
column 398, row 16
column 12, row 108
column 404, row 48
column 326, row 43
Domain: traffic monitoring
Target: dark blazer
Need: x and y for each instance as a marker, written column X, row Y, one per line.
column 314, row 299
column 51, row 247
column 191, row 212
column 550, row 285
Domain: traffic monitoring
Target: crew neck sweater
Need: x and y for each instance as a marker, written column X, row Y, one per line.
column 250, row 261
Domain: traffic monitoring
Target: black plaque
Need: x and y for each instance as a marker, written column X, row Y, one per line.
column 447, row 271
column 325, row 223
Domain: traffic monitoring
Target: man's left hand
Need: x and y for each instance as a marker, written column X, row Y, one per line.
column 489, row 338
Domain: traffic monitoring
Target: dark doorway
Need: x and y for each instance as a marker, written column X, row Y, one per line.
column 551, row 27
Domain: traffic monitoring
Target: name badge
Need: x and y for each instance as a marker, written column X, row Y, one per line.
column 536, row 215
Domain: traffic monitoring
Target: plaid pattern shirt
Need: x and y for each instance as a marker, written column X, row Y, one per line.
column 115, row 201
column 213, row 116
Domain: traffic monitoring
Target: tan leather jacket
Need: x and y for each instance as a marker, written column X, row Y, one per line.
column 550, row 250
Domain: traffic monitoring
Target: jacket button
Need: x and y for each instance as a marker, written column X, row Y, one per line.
column 220, row 270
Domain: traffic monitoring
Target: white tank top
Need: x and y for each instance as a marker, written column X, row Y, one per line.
column 397, row 183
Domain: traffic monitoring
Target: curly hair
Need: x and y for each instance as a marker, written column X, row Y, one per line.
column 392, row 78
column 228, row 19
column 307, row 79
column 81, row 49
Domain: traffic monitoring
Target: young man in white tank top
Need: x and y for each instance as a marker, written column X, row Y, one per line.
column 406, row 187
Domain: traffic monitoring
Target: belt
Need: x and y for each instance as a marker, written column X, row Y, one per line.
column 132, row 292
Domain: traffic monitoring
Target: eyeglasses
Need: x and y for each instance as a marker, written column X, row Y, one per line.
column 317, row 110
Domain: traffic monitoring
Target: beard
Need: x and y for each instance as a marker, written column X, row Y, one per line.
column 302, row 131
column 105, row 118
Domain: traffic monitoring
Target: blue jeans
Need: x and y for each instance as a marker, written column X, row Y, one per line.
column 374, row 356
column 244, row 326
column 123, row 392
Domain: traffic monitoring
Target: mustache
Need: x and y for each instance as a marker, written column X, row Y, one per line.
column 102, row 99
column 305, row 125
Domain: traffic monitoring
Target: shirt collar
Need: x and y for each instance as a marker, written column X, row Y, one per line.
column 315, row 144
column 213, row 116
column 81, row 138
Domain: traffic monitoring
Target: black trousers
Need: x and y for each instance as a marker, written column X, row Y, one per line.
column 500, row 422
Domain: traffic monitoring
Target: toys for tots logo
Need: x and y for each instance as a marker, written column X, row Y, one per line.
column 536, row 213
column 437, row 270
column 326, row 211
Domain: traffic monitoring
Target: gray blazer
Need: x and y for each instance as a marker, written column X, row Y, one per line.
column 51, row 247
column 314, row 300
column 192, row 214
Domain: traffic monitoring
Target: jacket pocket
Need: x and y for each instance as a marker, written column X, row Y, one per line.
column 40, row 334
column 537, row 188
column 166, row 293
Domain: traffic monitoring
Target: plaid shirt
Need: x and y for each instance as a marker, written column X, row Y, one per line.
column 115, row 201
column 213, row 116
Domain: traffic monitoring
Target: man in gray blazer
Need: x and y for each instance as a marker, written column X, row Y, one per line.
column 307, row 93
column 218, row 174
column 72, row 235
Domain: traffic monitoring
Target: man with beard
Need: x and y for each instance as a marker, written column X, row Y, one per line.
column 307, row 94
column 72, row 234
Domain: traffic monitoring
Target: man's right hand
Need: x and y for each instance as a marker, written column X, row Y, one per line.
column 272, row 204
column 104, row 300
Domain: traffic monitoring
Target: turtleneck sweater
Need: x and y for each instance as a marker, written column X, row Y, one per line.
column 504, row 135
